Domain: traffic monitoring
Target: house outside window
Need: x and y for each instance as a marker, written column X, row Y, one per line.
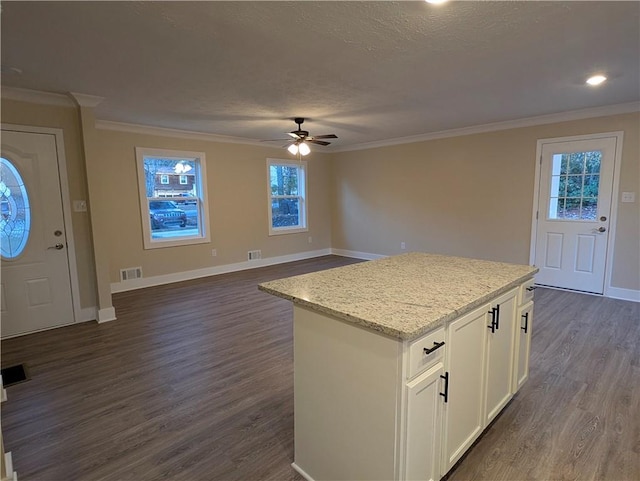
column 173, row 197
column 287, row 196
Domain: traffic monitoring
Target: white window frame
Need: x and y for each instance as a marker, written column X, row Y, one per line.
column 302, row 197
column 164, row 179
column 199, row 158
column 183, row 180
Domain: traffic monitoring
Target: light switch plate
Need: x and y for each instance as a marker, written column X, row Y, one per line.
column 628, row 197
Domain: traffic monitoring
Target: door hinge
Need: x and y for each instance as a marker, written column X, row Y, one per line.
column 536, row 215
column 540, row 159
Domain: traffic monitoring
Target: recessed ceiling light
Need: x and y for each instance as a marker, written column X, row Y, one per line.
column 436, row 2
column 596, row 79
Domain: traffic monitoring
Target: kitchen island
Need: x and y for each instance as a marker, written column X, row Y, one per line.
column 400, row 363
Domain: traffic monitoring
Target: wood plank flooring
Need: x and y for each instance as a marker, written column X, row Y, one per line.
column 194, row 382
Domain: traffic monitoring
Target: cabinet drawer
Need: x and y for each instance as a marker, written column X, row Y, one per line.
column 526, row 292
column 425, row 351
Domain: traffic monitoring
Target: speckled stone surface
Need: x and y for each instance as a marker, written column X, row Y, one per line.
column 402, row 296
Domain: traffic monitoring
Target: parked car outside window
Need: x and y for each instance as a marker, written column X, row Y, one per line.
column 165, row 213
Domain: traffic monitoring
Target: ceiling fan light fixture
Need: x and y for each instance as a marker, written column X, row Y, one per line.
column 293, row 149
column 304, row 149
column 596, row 80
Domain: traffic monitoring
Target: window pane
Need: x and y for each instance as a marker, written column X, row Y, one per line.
column 593, row 162
column 576, row 163
column 589, row 209
column 554, row 206
column 564, row 164
column 284, row 180
column 574, row 186
column 285, row 212
column 167, row 219
column 15, row 218
column 591, row 185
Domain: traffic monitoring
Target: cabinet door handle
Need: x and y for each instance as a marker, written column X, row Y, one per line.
column 445, row 394
column 526, row 322
column 493, row 319
column 532, row 288
column 497, row 316
column 436, row 345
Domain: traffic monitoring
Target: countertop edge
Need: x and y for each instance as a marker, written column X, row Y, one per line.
column 395, row 333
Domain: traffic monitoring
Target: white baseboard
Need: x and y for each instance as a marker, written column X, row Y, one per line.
column 623, row 294
column 106, row 314
column 212, row 271
column 301, row 471
column 356, row 255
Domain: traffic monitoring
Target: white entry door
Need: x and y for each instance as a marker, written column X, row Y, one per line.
column 574, row 208
column 35, row 282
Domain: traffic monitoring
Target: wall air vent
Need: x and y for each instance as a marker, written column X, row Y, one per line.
column 130, row 273
column 254, row 255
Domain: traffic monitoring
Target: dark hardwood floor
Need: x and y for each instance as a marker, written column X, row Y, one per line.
column 194, row 382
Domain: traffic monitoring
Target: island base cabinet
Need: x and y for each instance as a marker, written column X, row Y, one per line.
column 347, row 388
column 499, row 356
column 523, row 345
column 424, row 426
column 464, row 364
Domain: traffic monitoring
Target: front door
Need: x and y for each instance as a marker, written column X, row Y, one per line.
column 35, row 283
column 574, row 208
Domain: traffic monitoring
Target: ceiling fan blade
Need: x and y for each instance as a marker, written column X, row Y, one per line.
column 273, row 140
column 294, row 135
column 318, row 142
column 328, row 136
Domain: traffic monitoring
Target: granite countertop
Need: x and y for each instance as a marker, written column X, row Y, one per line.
column 402, row 296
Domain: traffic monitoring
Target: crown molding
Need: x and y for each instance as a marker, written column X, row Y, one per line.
column 606, row 110
column 37, row 96
column 85, row 100
column 176, row 133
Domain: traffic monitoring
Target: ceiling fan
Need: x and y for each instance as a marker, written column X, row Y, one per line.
column 300, row 139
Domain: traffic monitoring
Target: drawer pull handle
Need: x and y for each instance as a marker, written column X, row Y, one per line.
column 436, row 345
column 494, row 324
column 532, row 288
column 526, row 322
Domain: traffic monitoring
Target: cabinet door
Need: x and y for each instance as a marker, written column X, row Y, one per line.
column 424, row 426
column 500, row 348
column 523, row 345
column 465, row 355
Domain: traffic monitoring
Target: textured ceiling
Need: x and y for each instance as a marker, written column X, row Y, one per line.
column 367, row 71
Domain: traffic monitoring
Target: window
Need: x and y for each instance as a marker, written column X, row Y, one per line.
column 15, row 220
column 183, row 180
column 287, row 196
column 575, row 181
column 172, row 214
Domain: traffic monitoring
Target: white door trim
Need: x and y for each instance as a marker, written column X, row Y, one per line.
column 66, row 208
column 618, row 135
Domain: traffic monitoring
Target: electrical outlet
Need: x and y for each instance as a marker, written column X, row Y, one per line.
column 628, row 197
column 403, row 245
column 310, row 239
column 214, row 252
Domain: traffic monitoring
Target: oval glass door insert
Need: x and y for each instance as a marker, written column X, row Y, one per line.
column 15, row 218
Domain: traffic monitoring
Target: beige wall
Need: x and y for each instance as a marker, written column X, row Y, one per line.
column 67, row 119
column 470, row 196
column 238, row 206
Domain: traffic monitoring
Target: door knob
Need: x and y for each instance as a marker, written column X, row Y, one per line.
column 58, row 246
column 602, row 229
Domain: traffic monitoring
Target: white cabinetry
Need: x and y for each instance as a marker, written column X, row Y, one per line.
column 523, row 345
column 465, row 360
column 424, row 426
column 499, row 357
column 369, row 406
